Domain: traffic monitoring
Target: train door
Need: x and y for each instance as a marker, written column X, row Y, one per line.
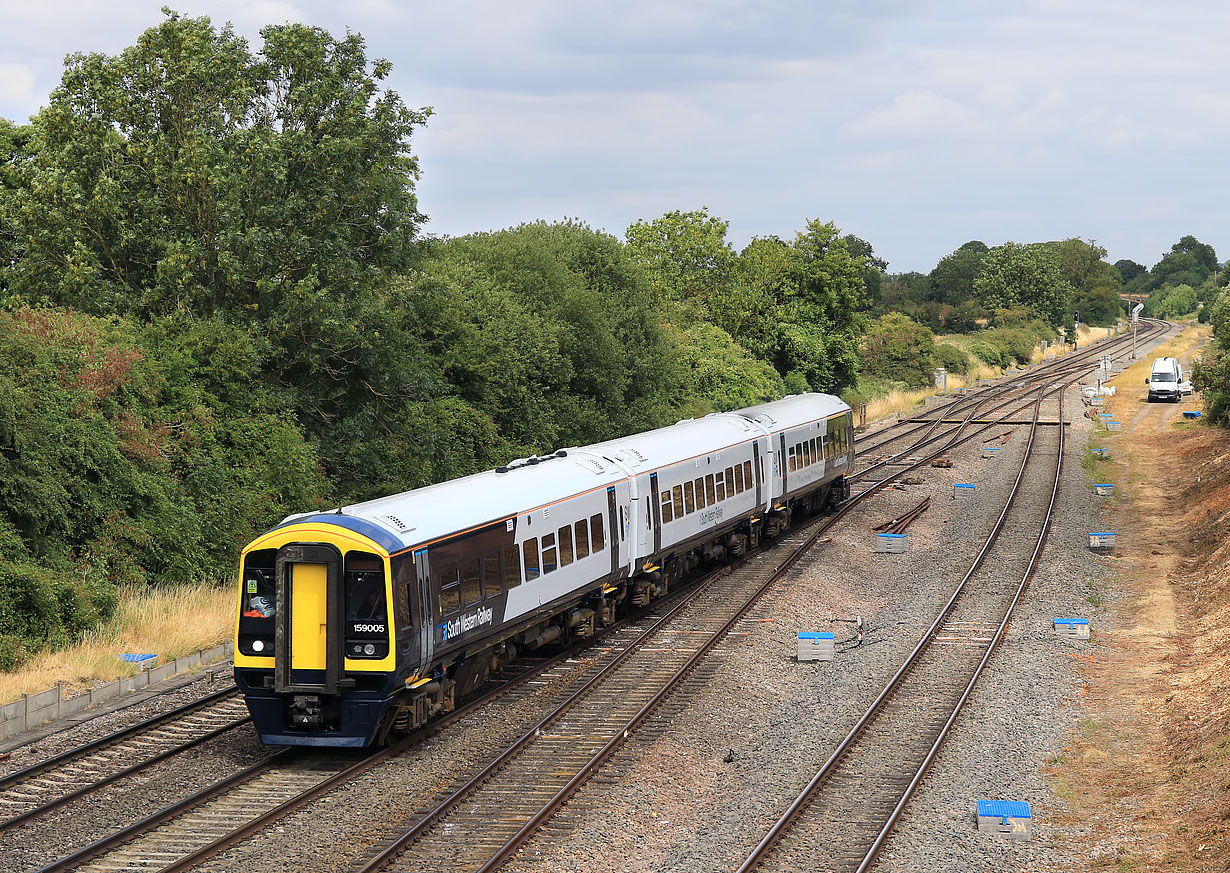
column 426, row 620
column 307, row 636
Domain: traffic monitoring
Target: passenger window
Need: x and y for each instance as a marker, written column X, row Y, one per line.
column 677, row 499
column 531, row 558
column 491, row 574
column 721, row 486
column 815, row 449
column 793, row 465
column 565, row 546
column 730, row 481
column 450, row 592
column 667, row 514
column 596, row 538
column 747, row 475
column 739, row 485
column 548, row 553
column 709, row 498
column 700, row 493
column 512, row 566
column 471, row 591
column 582, row 531
column 689, row 498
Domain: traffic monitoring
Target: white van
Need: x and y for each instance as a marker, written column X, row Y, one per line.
column 1165, row 379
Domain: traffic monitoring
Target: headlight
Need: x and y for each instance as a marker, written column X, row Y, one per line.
column 369, row 649
column 258, row 645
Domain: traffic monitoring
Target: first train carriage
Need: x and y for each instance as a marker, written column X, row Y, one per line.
column 372, row 618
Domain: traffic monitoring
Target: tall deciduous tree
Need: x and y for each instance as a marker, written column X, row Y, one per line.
column 685, row 254
column 1016, row 275
column 1189, row 262
column 952, row 280
column 189, row 173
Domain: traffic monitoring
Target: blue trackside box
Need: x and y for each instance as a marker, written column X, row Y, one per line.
column 1005, row 818
column 815, row 646
column 136, row 659
column 890, row 543
column 1078, row 628
column 1002, row 808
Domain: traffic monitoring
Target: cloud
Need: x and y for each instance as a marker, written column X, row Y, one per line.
column 16, row 83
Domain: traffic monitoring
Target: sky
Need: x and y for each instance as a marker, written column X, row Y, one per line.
column 917, row 125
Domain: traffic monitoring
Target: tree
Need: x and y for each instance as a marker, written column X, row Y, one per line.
column 14, row 152
column 1025, row 275
column 1129, row 270
column 685, row 254
column 952, row 280
column 1189, row 262
column 1095, row 283
column 189, row 174
column 873, row 273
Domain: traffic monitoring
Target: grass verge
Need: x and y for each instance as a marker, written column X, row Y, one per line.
column 169, row 621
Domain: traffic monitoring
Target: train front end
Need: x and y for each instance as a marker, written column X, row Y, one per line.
column 315, row 635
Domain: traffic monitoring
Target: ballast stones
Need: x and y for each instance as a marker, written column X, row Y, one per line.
column 1074, row 628
column 815, row 646
column 1005, row 818
column 962, row 490
column 890, row 543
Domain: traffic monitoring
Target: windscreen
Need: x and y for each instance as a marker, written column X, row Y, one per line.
column 367, row 617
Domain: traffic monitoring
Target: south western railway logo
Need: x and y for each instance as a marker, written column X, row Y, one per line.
column 468, row 622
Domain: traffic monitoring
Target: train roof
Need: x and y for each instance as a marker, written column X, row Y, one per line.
column 427, row 514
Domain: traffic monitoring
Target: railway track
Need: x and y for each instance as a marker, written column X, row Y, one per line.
column 928, row 420
column 77, row 773
column 155, row 845
column 840, row 819
column 486, row 820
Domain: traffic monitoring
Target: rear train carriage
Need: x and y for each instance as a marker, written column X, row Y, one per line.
column 370, row 619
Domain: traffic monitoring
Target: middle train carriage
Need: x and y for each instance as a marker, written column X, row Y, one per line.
column 368, row 620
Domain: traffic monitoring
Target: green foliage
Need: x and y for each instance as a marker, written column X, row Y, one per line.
column 126, row 457
column 1016, row 344
column 1025, row 275
column 895, row 347
column 794, row 305
column 685, row 254
column 550, row 331
column 1171, row 301
column 721, row 375
column 952, row 280
column 951, row 359
column 1095, row 283
column 989, row 353
column 190, row 175
column 1189, row 262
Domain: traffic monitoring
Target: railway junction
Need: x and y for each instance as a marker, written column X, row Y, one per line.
column 694, row 736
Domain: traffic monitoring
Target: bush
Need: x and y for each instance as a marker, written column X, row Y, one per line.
column 897, row 348
column 1016, row 344
column 951, row 359
column 989, row 353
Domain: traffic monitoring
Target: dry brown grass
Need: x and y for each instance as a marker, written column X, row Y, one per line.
column 170, row 622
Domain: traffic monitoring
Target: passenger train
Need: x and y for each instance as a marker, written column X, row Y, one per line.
column 361, row 623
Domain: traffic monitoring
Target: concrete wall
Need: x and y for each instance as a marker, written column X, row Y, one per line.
column 36, row 709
